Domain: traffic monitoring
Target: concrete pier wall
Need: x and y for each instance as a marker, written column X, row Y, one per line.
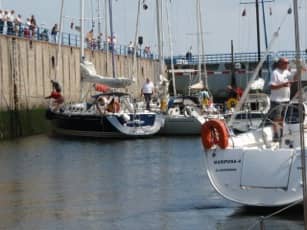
column 26, row 68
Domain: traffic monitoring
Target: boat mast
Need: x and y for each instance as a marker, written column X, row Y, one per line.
column 106, row 33
column 82, row 29
column 60, row 39
column 266, row 43
column 258, row 28
column 203, row 47
column 258, row 33
column 171, row 48
column 159, row 34
column 134, row 63
column 99, row 19
column 233, row 71
column 302, row 141
column 198, row 38
column 112, row 37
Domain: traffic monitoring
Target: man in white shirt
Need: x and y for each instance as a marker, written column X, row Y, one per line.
column 280, row 84
column 147, row 91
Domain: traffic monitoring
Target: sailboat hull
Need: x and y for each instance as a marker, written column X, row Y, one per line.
column 181, row 125
column 104, row 126
column 256, row 177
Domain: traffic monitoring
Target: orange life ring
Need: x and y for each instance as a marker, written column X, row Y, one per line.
column 213, row 132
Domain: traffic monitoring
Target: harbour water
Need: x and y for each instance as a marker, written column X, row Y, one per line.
column 159, row 183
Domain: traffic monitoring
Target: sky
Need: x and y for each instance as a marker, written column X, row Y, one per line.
column 222, row 22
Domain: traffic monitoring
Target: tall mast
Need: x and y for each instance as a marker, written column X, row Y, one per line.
column 134, row 67
column 203, row 47
column 106, row 32
column 159, row 35
column 198, row 38
column 98, row 15
column 258, row 27
column 60, row 39
column 266, row 43
column 171, row 49
column 302, row 141
column 82, row 28
column 112, row 36
column 258, row 31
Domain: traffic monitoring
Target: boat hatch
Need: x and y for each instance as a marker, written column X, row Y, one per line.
column 266, row 174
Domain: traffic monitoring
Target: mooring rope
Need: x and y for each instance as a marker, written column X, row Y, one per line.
column 263, row 218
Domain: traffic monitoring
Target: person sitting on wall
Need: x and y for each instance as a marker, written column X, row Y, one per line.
column 56, row 96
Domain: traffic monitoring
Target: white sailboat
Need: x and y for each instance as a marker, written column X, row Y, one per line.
column 252, row 168
column 183, row 116
column 107, row 115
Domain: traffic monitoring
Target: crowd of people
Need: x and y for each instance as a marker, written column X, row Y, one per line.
column 13, row 24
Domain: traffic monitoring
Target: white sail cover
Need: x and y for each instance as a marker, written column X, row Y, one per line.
column 88, row 74
column 198, row 86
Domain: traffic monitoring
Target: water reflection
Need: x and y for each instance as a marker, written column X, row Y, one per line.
column 159, row 183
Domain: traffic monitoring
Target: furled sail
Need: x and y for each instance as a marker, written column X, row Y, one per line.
column 199, row 85
column 88, row 74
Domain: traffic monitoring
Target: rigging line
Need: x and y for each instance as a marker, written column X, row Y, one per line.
column 158, row 18
column 239, row 12
column 92, row 8
column 300, row 97
column 168, row 19
column 59, row 41
column 274, row 213
column 203, row 46
column 98, row 16
column 266, row 43
column 134, row 63
column 112, row 35
column 197, row 38
column 106, row 34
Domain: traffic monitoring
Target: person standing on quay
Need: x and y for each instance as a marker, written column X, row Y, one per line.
column 54, row 32
column 147, row 91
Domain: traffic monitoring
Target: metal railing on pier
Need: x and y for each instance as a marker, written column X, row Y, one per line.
column 71, row 39
column 227, row 57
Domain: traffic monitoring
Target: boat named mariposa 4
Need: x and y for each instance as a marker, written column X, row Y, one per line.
column 253, row 168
